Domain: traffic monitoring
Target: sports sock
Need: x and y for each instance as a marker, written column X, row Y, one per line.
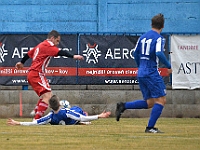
column 36, row 107
column 137, row 104
column 42, row 107
column 155, row 114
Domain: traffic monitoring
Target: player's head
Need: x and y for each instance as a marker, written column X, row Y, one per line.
column 54, row 102
column 54, row 37
column 157, row 21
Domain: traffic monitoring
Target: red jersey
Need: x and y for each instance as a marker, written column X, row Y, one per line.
column 41, row 55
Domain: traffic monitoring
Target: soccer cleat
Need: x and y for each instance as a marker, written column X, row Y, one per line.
column 152, row 130
column 119, row 110
column 32, row 114
column 85, row 123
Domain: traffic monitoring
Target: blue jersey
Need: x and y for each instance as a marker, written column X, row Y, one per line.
column 149, row 48
column 65, row 116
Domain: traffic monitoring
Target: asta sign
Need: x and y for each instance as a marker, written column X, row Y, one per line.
column 185, row 61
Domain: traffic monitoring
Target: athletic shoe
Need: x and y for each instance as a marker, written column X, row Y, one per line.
column 119, row 110
column 32, row 114
column 85, row 123
column 152, row 130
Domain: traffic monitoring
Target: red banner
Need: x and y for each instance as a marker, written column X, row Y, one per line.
column 114, row 72
column 72, row 71
column 50, row 71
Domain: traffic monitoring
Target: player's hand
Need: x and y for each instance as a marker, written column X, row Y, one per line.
column 19, row 65
column 78, row 57
column 12, row 122
column 169, row 71
column 104, row 114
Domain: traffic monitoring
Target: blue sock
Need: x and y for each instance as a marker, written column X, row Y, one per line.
column 137, row 104
column 155, row 114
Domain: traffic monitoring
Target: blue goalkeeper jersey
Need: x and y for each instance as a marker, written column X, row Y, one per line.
column 148, row 51
column 62, row 117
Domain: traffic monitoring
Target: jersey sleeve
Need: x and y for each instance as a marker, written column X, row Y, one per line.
column 31, row 52
column 43, row 49
column 53, row 51
column 159, row 52
column 160, row 44
column 79, row 117
column 136, row 53
column 45, row 120
column 42, row 121
column 29, row 123
column 65, row 53
column 163, row 59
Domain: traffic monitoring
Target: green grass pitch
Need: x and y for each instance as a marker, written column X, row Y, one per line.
column 103, row 134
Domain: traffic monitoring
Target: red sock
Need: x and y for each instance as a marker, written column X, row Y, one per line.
column 42, row 107
column 36, row 107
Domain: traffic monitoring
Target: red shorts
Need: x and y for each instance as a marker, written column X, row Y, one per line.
column 39, row 82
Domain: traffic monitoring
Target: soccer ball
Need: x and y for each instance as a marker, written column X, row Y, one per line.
column 65, row 104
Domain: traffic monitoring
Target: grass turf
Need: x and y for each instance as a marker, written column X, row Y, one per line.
column 103, row 134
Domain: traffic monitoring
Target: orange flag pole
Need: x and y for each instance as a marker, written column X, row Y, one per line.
column 20, row 104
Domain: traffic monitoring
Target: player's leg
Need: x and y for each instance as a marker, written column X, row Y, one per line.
column 155, row 114
column 43, row 105
column 140, row 104
column 136, row 104
column 158, row 90
column 41, row 86
column 33, row 112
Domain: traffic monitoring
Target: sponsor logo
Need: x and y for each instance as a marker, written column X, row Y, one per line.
column 121, row 81
column 3, row 52
column 92, row 53
column 188, row 47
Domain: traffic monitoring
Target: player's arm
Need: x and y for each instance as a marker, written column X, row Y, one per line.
column 20, row 65
column 28, row 55
column 82, row 118
column 136, row 53
column 159, row 52
column 161, row 55
column 13, row 122
column 42, row 121
column 68, row 54
column 163, row 59
column 104, row 114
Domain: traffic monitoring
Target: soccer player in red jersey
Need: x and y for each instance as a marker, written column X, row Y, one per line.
column 41, row 55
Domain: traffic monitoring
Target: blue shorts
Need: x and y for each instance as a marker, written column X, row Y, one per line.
column 152, row 87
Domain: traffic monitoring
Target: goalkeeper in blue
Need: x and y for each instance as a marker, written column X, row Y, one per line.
column 148, row 51
column 62, row 116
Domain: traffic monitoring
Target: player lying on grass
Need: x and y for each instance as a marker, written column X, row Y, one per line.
column 62, row 116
